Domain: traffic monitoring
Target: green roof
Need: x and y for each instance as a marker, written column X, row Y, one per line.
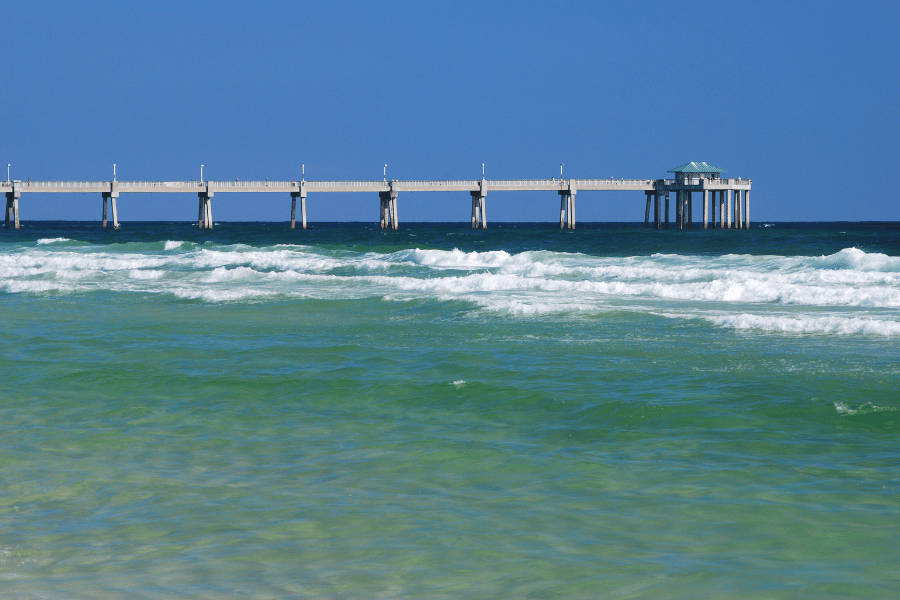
column 696, row 167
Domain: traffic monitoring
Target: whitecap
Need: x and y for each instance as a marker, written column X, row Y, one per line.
column 845, row 409
column 145, row 274
column 831, row 324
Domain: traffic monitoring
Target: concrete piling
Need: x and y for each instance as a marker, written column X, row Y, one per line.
column 705, row 209
column 648, row 194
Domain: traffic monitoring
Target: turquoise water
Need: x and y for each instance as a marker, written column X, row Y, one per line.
column 444, row 413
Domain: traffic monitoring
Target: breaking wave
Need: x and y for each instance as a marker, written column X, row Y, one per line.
column 769, row 293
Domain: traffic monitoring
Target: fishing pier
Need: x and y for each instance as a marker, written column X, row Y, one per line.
column 732, row 196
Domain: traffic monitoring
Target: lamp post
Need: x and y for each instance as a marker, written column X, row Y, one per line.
column 560, row 170
column 385, row 173
column 7, row 172
column 201, row 173
column 302, row 172
column 114, row 171
column 482, row 170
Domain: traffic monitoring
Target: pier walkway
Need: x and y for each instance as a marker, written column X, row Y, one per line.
column 734, row 212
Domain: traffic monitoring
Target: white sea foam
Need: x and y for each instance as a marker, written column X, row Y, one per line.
column 810, row 324
column 860, row 409
column 767, row 293
column 145, row 274
column 232, row 295
column 43, row 241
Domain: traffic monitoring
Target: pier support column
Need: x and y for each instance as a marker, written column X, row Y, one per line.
column 722, row 209
column 111, row 198
column 647, row 210
column 705, row 209
column 395, row 223
column 657, row 210
column 563, row 198
column 302, row 195
column 728, row 208
column 12, row 208
column 738, row 216
column 667, row 210
column 571, row 209
column 479, row 203
column 475, row 212
column 657, row 214
column 746, row 209
column 205, row 218
column 679, row 209
column 388, row 210
column 690, row 210
column 567, row 209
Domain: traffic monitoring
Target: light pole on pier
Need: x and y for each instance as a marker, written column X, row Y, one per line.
column 302, row 172
column 385, row 173
column 114, row 171
column 7, row 172
column 560, row 170
column 482, row 170
column 201, row 173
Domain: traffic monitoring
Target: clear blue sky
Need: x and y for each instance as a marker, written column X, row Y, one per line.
column 801, row 97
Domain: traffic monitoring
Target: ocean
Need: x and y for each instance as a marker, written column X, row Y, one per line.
column 438, row 412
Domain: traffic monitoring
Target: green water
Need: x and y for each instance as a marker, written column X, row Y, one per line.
column 439, row 425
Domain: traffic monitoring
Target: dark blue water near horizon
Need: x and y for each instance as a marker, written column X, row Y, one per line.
column 437, row 412
column 618, row 239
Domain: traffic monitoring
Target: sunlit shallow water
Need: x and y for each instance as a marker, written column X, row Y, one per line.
column 437, row 412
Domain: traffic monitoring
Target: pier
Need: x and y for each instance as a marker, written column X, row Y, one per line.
column 731, row 195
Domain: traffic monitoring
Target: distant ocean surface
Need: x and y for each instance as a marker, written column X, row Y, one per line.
column 437, row 412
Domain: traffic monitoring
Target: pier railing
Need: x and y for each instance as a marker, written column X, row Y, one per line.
column 253, row 184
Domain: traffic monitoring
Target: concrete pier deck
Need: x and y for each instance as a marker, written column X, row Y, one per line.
column 389, row 189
